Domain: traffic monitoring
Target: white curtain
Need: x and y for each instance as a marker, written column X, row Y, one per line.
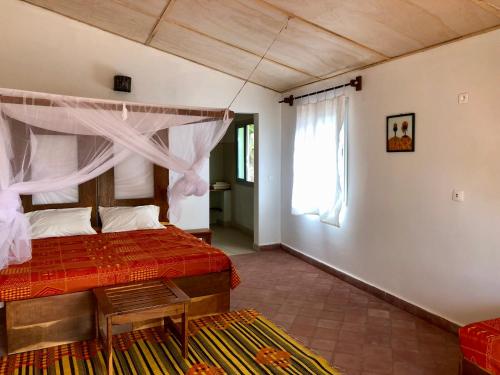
column 319, row 159
column 107, row 133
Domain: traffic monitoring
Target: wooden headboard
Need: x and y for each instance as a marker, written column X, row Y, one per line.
column 101, row 192
column 87, row 194
column 106, row 192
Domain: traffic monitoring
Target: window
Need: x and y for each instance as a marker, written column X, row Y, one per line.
column 319, row 160
column 245, row 153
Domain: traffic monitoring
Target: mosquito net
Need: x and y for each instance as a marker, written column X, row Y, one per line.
column 49, row 144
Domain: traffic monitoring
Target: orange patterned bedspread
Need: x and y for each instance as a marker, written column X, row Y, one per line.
column 70, row 264
column 480, row 344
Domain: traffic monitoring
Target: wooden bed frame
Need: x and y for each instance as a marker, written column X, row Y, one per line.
column 48, row 321
column 38, row 323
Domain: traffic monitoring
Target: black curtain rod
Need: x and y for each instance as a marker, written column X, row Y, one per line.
column 357, row 83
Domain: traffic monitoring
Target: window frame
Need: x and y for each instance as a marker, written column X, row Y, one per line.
column 243, row 181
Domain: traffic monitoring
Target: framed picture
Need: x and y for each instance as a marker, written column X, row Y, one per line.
column 401, row 133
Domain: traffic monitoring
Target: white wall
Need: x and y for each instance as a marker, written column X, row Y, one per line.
column 43, row 51
column 217, row 172
column 243, row 202
column 403, row 233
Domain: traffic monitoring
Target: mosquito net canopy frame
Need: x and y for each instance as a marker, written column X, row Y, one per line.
column 100, row 134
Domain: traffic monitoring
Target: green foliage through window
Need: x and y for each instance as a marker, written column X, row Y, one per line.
column 245, row 153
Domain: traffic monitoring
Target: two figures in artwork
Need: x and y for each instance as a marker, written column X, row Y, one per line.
column 404, row 143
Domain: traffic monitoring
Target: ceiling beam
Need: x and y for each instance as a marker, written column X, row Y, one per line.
column 158, row 22
column 317, row 26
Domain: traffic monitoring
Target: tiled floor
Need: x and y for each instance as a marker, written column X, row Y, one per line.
column 231, row 240
column 358, row 333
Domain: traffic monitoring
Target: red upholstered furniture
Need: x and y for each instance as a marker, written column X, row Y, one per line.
column 480, row 344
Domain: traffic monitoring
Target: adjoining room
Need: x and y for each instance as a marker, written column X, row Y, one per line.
column 233, row 185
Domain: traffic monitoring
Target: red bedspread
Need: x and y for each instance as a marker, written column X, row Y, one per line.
column 480, row 344
column 70, row 264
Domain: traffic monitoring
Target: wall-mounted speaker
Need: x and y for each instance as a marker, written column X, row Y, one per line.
column 123, row 83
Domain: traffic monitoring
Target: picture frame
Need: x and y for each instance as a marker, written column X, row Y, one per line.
column 400, row 133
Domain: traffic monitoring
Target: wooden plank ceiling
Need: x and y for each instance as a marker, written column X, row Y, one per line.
column 323, row 37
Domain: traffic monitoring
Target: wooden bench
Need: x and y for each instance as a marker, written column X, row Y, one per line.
column 138, row 301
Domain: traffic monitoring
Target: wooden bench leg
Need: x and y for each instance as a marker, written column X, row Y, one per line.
column 109, row 345
column 185, row 335
column 96, row 322
column 165, row 325
column 181, row 333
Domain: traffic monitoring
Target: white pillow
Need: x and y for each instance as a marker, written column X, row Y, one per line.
column 60, row 222
column 121, row 219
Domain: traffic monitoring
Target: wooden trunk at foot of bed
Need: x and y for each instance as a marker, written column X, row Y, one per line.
column 48, row 321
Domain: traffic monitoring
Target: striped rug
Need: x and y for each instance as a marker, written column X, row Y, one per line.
column 240, row 342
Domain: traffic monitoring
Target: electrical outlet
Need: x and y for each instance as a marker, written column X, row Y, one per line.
column 463, row 98
column 458, row 195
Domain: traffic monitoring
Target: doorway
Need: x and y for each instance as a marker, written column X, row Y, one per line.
column 233, row 172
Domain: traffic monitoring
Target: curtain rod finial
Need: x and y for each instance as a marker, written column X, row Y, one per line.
column 357, row 83
column 289, row 100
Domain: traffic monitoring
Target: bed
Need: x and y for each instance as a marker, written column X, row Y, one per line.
column 62, row 265
column 48, row 300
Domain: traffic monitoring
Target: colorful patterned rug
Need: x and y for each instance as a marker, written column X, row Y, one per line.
column 240, row 342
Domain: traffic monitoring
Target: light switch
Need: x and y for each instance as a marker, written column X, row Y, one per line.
column 463, row 98
column 458, row 195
